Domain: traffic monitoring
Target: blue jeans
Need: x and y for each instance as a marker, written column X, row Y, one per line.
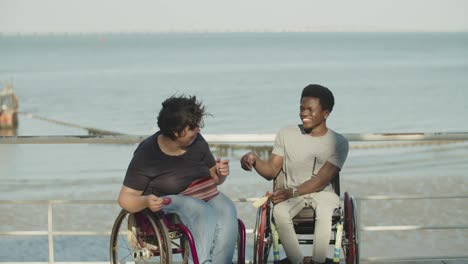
column 213, row 225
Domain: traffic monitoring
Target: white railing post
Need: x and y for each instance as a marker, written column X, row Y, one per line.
column 50, row 233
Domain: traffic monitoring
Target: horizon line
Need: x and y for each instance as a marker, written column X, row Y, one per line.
column 121, row 32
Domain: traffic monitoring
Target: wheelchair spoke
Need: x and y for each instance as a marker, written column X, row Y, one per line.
column 139, row 240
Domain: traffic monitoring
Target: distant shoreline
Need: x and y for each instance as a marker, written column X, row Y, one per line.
column 99, row 33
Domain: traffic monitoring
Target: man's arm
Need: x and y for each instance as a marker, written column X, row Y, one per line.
column 320, row 181
column 314, row 184
column 133, row 201
column 267, row 169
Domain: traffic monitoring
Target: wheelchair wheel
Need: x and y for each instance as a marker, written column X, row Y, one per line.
column 350, row 239
column 185, row 245
column 262, row 235
column 180, row 245
column 356, row 237
column 139, row 238
column 241, row 242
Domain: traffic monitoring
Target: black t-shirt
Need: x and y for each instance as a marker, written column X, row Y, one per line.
column 154, row 172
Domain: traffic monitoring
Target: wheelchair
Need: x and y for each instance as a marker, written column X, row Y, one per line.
column 344, row 233
column 148, row 237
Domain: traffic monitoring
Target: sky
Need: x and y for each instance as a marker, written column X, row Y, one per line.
column 92, row 16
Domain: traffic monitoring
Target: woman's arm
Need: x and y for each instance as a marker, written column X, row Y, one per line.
column 133, row 201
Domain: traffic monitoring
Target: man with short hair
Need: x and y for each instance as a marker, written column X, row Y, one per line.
column 310, row 155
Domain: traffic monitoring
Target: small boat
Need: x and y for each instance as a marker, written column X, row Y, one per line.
column 8, row 107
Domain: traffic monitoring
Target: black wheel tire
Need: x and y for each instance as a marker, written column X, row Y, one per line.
column 262, row 235
column 350, row 241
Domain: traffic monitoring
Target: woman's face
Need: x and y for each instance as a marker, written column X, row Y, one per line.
column 188, row 136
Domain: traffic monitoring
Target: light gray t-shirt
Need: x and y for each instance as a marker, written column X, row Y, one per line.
column 303, row 155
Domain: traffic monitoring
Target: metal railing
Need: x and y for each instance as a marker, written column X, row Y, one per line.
column 381, row 228
column 230, row 138
column 265, row 139
column 50, row 233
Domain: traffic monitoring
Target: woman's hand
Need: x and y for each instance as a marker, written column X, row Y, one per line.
column 222, row 167
column 220, row 171
column 153, row 202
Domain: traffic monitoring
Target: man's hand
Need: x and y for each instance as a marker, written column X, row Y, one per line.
column 248, row 161
column 222, row 167
column 281, row 195
column 153, row 202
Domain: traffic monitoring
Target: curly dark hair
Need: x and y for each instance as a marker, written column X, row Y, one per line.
column 327, row 100
column 178, row 112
